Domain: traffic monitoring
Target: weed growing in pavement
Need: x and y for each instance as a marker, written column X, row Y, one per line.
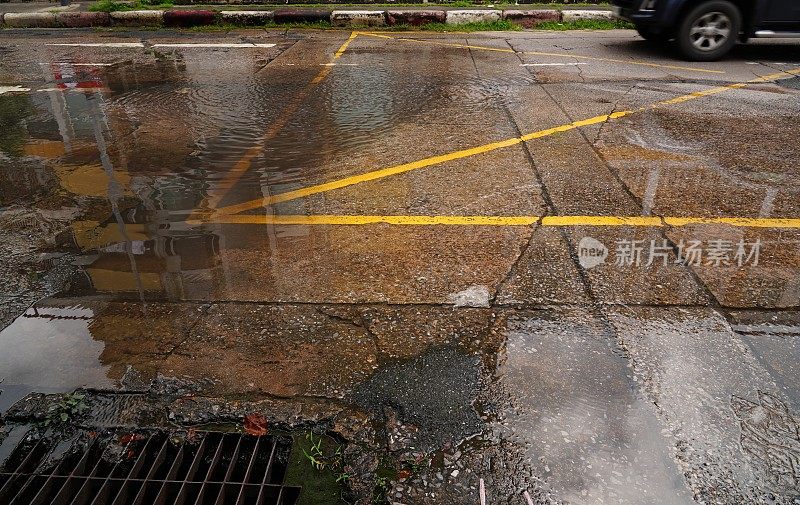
column 320, row 461
column 222, row 27
column 485, row 26
column 71, row 407
column 585, row 24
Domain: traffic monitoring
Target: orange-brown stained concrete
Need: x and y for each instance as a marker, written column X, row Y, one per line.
column 554, row 357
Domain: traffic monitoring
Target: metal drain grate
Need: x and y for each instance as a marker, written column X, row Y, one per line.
column 148, row 468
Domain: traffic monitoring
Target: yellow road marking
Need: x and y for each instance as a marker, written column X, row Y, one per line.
column 245, row 162
column 364, row 220
column 552, row 221
column 541, row 53
column 740, row 222
column 648, row 221
column 464, row 153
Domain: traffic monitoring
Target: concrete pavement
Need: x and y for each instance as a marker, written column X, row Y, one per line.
column 563, row 263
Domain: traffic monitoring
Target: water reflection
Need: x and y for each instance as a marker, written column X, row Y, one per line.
column 53, row 350
column 138, row 144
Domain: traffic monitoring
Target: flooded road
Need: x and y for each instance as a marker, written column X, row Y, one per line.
column 564, row 263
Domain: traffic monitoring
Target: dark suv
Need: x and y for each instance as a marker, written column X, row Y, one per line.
column 705, row 30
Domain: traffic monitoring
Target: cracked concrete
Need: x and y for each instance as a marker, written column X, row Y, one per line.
column 626, row 383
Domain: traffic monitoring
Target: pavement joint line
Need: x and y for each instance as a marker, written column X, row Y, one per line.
column 547, row 221
column 245, row 162
column 465, row 153
column 542, row 53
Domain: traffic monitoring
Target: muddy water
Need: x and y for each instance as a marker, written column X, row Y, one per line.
column 107, row 284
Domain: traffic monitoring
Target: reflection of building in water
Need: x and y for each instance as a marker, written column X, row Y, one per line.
column 94, row 134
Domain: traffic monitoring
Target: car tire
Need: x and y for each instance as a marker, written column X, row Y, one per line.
column 709, row 31
column 648, row 35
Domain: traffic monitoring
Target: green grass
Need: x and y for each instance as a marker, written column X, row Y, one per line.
column 137, row 5
column 490, row 26
column 584, row 24
column 493, row 26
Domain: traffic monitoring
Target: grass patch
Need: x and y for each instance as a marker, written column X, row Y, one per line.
column 485, row 26
column 224, row 27
column 585, row 24
column 136, row 5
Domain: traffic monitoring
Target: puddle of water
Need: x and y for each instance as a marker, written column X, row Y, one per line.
column 51, row 350
column 589, row 436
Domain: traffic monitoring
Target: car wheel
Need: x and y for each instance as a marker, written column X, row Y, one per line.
column 709, row 31
column 648, row 35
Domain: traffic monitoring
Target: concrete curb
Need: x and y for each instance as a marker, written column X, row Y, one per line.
column 137, row 18
column 30, row 20
column 358, row 18
column 83, row 19
column 189, row 18
column 460, row 17
column 415, row 18
column 575, row 15
column 531, row 18
column 246, row 18
column 283, row 16
column 338, row 18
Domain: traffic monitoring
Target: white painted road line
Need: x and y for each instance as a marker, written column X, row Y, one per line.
column 99, row 44
column 13, row 89
column 549, row 64
column 133, row 45
column 245, row 45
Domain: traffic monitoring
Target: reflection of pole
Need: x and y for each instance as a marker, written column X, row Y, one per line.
column 649, row 198
column 114, row 187
column 59, row 107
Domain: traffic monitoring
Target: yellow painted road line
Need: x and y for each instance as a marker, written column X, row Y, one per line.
column 465, row 153
column 364, row 220
column 647, row 221
column 245, row 162
column 739, row 222
column 551, row 221
column 541, row 53
column 369, row 176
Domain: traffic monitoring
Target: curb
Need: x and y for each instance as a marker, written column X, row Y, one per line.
column 83, row 19
column 187, row 19
column 137, row 18
column 282, row 16
column 460, row 17
column 570, row 15
column 337, row 18
column 246, row 18
column 358, row 18
column 30, row 20
column 415, row 18
column 531, row 18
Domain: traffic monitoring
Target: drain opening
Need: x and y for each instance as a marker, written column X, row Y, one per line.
column 148, row 468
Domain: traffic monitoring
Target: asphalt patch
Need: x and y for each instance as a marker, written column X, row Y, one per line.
column 433, row 392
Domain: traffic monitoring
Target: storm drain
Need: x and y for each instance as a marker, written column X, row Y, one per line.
column 148, row 468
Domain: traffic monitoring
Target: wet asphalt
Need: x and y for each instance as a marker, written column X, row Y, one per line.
column 146, row 229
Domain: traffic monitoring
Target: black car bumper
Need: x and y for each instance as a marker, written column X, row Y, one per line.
column 629, row 9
